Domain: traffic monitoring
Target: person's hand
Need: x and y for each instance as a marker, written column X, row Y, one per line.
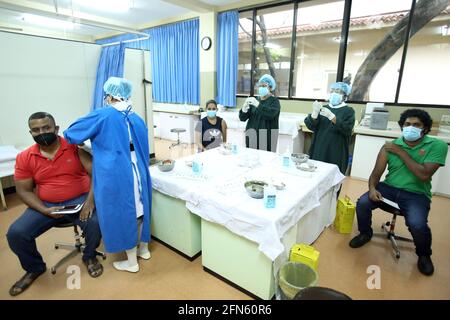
column 245, row 106
column 327, row 113
column 374, row 195
column 48, row 212
column 87, row 210
column 316, row 109
column 253, row 101
column 392, row 148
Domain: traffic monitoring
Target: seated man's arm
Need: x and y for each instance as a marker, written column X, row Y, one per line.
column 89, row 204
column 375, row 176
column 422, row 171
column 25, row 191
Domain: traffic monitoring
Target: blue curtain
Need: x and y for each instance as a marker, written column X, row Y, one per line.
column 227, row 58
column 109, row 65
column 174, row 51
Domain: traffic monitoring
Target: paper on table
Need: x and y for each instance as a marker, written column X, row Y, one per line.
column 391, row 203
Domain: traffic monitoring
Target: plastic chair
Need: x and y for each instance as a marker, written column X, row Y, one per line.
column 75, row 248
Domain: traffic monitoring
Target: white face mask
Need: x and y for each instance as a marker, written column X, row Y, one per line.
column 121, row 105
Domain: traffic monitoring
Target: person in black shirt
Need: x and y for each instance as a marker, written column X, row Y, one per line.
column 211, row 131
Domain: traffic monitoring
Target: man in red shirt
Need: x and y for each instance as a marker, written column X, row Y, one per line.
column 50, row 175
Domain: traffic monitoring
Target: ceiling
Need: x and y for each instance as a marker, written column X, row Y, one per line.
column 94, row 23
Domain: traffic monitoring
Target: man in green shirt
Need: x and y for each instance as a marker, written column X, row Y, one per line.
column 411, row 161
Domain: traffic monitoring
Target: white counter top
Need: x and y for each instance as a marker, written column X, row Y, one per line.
column 175, row 108
column 393, row 131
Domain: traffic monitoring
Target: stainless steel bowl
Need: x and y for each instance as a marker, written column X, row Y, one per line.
column 255, row 188
column 166, row 165
column 299, row 157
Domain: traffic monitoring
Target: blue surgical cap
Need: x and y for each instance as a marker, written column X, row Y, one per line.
column 267, row 78
column 118, row 88
column 342, row 86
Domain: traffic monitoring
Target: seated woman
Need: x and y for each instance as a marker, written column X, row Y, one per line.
column 211, row 131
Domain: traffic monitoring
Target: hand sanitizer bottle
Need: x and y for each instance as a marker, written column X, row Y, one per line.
column 286, row 158
column 269, row 196
column 197, row 166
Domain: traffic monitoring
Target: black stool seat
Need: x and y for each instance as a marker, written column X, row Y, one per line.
column 320, row 293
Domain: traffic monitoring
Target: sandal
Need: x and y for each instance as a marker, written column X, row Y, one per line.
column 94, row 268
column 24, row 282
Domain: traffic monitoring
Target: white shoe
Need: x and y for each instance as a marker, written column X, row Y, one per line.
column 124, row 266
column 144, row 255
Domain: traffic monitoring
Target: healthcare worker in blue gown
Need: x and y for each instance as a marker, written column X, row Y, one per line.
column 122, row 184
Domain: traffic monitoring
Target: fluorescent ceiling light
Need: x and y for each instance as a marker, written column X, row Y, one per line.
column 272, row 45
column 106, row 5
column 47, row 22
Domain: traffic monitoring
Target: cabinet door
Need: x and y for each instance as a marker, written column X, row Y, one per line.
column 157, row 124
column 365, row 155
column 441, row 179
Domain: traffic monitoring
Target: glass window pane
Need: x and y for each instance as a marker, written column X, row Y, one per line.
column 273, row 45
column 245, row 52
column 427, row 64
column 375, row 48
column 316, row 57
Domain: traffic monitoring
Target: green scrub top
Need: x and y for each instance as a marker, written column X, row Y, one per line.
column 429, row 150
column 265, row 116
column 331, row 141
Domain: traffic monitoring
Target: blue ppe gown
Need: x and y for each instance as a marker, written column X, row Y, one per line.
column 113, row 173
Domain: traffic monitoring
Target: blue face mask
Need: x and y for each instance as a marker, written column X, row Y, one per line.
column 263, row 91
column 211, row 113
column 411, row 133
column 335, row 99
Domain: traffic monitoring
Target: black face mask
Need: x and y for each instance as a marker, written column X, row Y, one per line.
column 45, row 139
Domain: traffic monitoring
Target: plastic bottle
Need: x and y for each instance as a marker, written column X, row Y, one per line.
column 197, row 165
column 286, row 158
column 270, row 196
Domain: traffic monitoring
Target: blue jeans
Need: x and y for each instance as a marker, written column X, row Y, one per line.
column 31, row 224
column 414, row 206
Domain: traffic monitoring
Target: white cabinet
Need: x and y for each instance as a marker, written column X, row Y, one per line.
column 365, row 155
column 167, row 121
column 441, row 179
column 157, row 124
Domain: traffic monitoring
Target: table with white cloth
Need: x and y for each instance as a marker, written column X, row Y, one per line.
column 240, row 239
column 7, row 162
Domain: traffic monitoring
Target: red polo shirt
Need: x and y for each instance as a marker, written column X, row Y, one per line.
column 57, row 180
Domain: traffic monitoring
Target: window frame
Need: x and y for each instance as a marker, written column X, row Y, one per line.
column 341, row 57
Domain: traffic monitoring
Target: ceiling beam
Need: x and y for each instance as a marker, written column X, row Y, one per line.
column 193, row 5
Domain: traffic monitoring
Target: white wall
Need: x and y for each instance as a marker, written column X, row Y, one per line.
column 42, row 74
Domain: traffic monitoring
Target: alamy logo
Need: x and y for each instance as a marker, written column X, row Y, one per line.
column 74, row 280
column 374, row 280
